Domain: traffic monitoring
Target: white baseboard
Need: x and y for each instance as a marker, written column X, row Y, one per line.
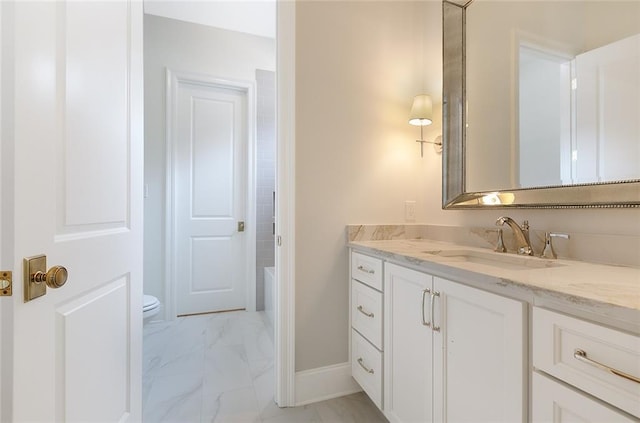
column 324, row 383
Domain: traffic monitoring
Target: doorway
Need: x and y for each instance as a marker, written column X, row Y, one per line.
column 218, row 54
column 214, row 60
column 152, row 191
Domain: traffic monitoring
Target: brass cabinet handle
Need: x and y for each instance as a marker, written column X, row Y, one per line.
column 434, row 294
column 366, row 369
column 424, row 294
column 581, row 355
column 361, row 310
column 364, row 269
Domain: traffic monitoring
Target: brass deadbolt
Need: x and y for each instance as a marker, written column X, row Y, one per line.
column 54, row 278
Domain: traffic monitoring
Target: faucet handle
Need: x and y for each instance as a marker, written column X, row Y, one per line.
column 548, row 246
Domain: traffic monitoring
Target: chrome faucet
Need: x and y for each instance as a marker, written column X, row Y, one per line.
column 521, row 234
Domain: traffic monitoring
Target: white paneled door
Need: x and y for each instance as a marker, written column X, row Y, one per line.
column 607, row 105
column 72, row 180
column 210, row 194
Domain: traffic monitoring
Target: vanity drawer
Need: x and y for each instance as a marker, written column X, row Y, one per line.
column 558, row 403
column 367, row 270
column 366, row 367
column 366, row 312
column 580, row 352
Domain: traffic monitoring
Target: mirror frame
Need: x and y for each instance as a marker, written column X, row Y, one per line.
column 454, row 194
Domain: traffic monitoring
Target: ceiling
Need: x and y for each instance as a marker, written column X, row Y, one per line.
column 257, row 17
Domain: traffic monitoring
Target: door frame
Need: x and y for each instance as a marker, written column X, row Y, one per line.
column 6, row 208
column 173, row 78
column 285, row 298
column 3, row 378
column 3, row 400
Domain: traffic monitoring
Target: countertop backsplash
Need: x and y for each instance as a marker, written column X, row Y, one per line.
column 618, row 250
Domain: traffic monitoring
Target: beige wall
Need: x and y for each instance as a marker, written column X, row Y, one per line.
column 187, row 47
column 358, row 65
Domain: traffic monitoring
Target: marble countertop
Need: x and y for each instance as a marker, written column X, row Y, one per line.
column 596, row 285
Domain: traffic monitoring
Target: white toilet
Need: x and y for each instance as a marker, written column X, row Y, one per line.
column 150, row 307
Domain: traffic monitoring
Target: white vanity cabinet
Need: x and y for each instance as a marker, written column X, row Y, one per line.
column 429, row 349
column 554, row 402
column 366, row 324
column 452, row 353
column 595, row 360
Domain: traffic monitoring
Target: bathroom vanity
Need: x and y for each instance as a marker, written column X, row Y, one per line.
column 449, row 332
column 444, row 332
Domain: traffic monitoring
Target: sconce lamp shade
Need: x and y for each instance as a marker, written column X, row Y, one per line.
column 421, row 111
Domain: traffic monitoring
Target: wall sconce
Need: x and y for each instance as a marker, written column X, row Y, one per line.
column 421, row 113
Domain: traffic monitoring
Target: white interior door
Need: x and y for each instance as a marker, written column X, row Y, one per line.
column 73, row 130
column 210, row 177
column 607, row 110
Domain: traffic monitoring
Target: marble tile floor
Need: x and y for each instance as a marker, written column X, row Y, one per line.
column 219, row 368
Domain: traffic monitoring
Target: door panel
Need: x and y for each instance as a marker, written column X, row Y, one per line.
column 479, row 356
column 206, row 275
column 408, row 371
column 212, row 133
column 77, row 142
column 94, row 126
column 607, row 125
column 210, row 142
column 82, row 342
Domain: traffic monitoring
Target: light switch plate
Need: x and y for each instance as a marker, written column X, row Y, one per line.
column 410, row 211
column 33, row 290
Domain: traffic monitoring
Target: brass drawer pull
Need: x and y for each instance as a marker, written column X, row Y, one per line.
column 364, row 269
column 361, row 310
column 424, row 294
column 581, row 355
column 366, row 369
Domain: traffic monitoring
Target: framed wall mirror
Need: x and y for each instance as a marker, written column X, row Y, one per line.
column 541, row 104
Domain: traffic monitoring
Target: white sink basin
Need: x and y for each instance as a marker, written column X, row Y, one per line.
column 497, row 260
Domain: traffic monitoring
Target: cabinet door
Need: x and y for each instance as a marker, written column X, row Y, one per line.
column 479, row 356
column 407, row 346
column 557, row 403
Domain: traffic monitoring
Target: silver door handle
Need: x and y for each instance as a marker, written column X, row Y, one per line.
column 361, row 310
column 364, row 269
column 434, row 294
column 366, row 369
column 581, row 355
column 424, row 294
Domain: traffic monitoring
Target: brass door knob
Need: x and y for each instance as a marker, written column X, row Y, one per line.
column 54, row 278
